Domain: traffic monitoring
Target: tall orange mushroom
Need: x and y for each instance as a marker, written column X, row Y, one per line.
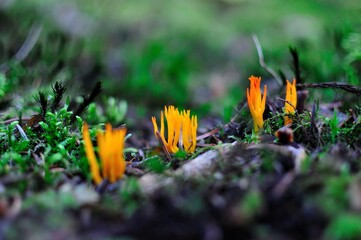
column 256, row 102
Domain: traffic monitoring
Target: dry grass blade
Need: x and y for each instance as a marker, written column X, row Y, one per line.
column 27, row 46
column 22, row 132
column 262, row 62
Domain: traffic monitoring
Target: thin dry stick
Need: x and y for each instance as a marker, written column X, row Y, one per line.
column 285, row 101
column 160, row 139
column 261, row 60
column 334, row 85
column 207, row 134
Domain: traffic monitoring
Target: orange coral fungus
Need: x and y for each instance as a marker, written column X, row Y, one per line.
column 182, row 129
column 256, row 102
column 110, row 146
column 291, row 101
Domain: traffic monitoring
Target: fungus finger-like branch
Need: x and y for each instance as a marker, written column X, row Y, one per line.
column 89, row 151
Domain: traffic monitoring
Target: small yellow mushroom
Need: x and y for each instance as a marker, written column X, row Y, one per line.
column 291, row 101
column 111, row 153
column 181, row 130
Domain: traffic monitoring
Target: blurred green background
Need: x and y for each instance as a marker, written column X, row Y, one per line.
column 191, row 53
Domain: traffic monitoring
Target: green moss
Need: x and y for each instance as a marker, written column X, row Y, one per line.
column 345, row 227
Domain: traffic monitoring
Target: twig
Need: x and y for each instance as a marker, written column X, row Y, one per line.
column 11, row 179
column 334, row 85
column 161, row 141
column 261, row 60
column 207, row 134
column 202, row 166
column 10, row 120
column 285, row 101
column 206, row 144
column 313, row 116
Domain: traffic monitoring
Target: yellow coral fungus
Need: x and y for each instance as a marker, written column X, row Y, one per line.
column 181, row 129
column 291, row 101
column 189, row 131
column 256, row 102
column 110, row 146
